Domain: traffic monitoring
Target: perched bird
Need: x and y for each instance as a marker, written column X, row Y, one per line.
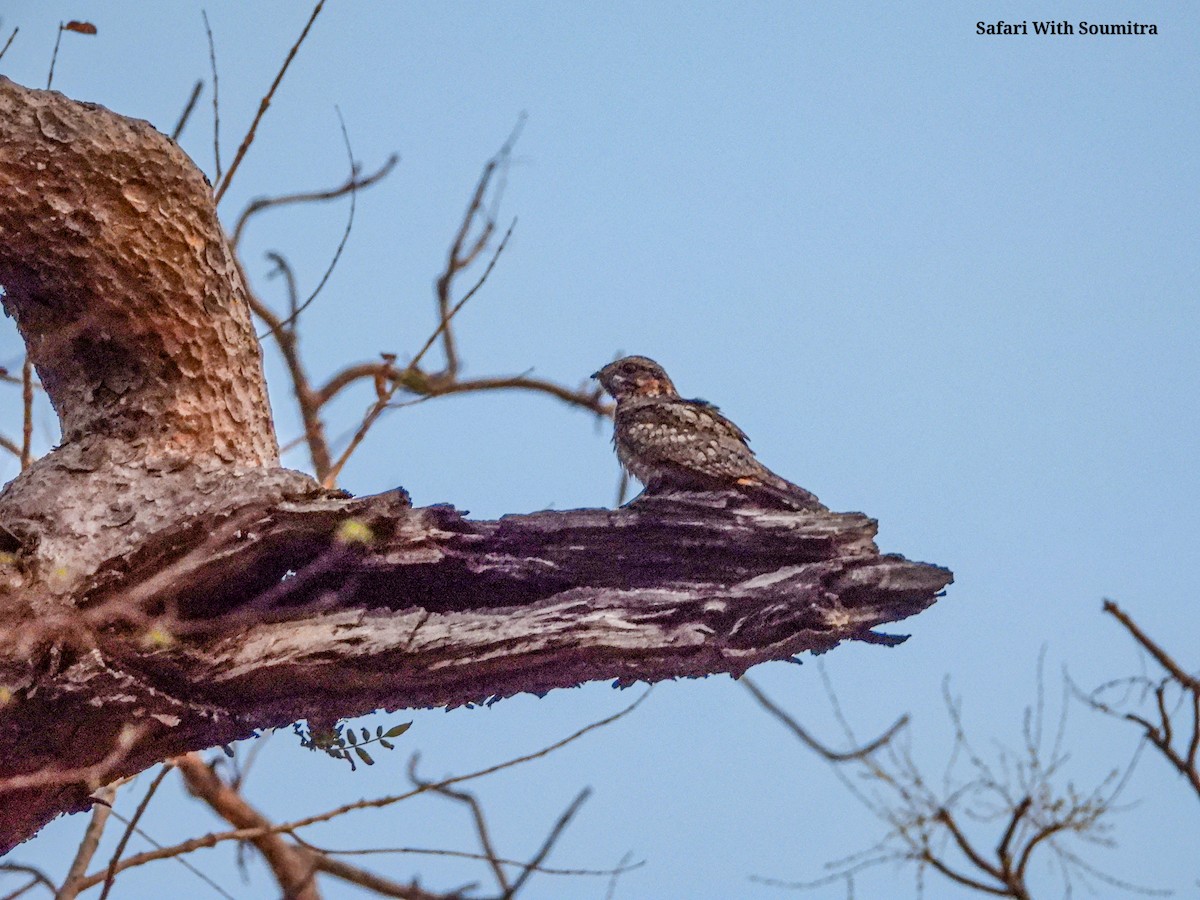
column 669, row 443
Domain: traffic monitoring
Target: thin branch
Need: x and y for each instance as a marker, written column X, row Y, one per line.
column 54, row 56
column 584, row 397
column 130, row 826
column 547, row 845
column 1002, row 849
column 23, row 889
column 1043, row 834
column 964, row 880
column 262, row 107
column 212, row 61
column 101, row 810
column 385, row 887
column 620, row 870
column 187, row 110
column 11, row 446
column 481, row 828
column 1194, row 744
column 284, row 270
column 353, row 183
column 622, row 487
column 460, row 854
column 288, row 341
column 27, row 411
column 8, row 43
column 243, row 768
column 1164, row 659
column 812, row 743
column 39, row 877
column 943, row 815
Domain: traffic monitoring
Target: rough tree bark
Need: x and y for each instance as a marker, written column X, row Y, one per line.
column 167, row 587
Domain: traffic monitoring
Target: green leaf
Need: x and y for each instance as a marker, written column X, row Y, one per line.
column 397, row 730
column 366, row 735
column 350, row 736
column 385, row 743
column 364, row 756
column 378, row 731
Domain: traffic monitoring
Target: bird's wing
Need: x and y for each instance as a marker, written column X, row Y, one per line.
column 716, row 410
column 688, row 436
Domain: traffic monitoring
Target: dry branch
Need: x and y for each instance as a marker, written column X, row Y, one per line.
column 170, row 579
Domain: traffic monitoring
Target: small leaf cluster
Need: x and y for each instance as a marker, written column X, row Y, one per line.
column 341, row 741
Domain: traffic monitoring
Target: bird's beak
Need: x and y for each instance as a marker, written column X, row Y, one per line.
column 595, row 374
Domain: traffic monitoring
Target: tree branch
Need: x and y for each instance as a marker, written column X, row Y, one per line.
column 168, row 578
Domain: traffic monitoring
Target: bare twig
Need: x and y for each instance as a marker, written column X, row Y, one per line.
column 355, row 182
column 620, row 870
column 385, row 887
column 101, row 810
column 8, row 43
column 560, row 825
column 54, row 55
column 1160, row 655
column 11, row 446
column 622, row 487
column 187, row 110
column 284, row 270
column 812, row 743
column 130, row 826
column 264, row 104
column 423, row 385
column 288, row 341
column 212, row 61
column 481, row 829
column 461, row 854
column 39, row 878
column 27, row 412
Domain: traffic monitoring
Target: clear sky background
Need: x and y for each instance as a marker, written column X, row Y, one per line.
column 946, row 279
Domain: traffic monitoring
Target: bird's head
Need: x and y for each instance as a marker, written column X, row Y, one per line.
column 635, row 376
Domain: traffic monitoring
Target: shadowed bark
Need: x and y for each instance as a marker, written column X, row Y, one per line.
column 167, row 587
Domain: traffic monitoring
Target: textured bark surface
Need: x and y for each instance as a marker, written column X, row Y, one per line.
column 166, row 587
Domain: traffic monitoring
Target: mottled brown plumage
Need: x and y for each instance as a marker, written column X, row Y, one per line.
column 669, row 443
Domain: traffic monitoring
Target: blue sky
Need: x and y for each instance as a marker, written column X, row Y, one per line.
column 945, row 279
